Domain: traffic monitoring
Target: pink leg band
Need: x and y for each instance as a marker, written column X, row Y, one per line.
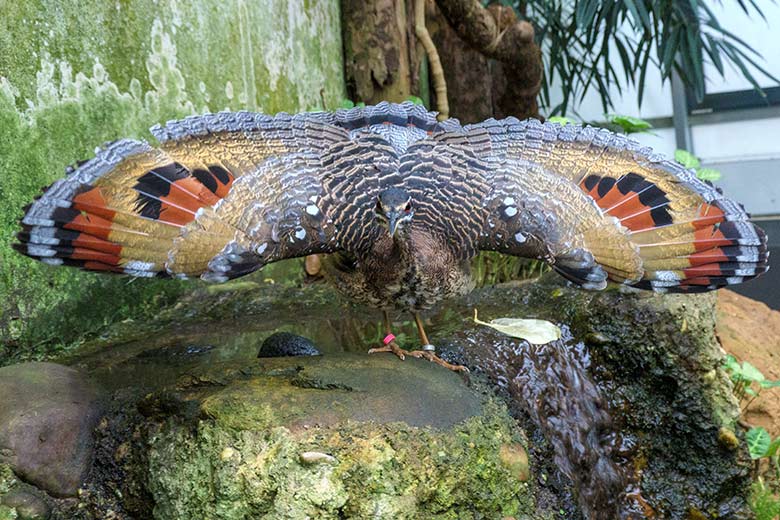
column 390, row 337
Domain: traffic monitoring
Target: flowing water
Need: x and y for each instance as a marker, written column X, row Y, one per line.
column 552, row 384
column 583, row 457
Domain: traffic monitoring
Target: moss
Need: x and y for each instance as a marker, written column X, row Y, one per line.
column 7, row 479
column 658, row 364
column 380, row 470
column 104, row 70
column 7, row 513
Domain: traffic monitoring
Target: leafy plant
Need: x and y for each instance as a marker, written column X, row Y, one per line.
column 629, row 124
column 748, row 380
column 561, row 120
column 584, row 40
column 615, row 122
column 689, row 160
column 764, row 503
column 761, row 445
column 348, row 103
column 490, row 268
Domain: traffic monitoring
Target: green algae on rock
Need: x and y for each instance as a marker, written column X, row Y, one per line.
column 657, row 366
column 74, row 75
column 337, row 436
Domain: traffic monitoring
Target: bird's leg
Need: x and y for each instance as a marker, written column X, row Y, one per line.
column 428, row 350
column 390, row 344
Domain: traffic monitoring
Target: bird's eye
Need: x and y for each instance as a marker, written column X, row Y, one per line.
column 408, row 208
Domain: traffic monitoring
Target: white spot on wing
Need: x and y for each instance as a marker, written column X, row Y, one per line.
column 261, row 248
column 137, row 265
column 311, row 209
column 520, row 238
column 300, row 233
column 510, row 211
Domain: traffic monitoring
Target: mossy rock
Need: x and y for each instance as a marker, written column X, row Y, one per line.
column 658, row 369
column 344, row 436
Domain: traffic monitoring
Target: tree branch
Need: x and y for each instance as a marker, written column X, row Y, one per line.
column 497, row 33
column 437, row 72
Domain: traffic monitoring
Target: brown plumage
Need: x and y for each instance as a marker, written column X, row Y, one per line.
column 400, row 202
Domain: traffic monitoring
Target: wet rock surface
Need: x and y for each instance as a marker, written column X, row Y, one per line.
column 628, row 416
column 344, row 435
column 286, row 344
column 632, row 403
column 47, row 415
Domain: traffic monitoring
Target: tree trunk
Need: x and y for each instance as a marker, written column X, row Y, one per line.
column 378, row 57
column 491, row 64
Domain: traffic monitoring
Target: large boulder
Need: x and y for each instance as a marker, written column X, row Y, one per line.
column 47, row 415
column 338, row 436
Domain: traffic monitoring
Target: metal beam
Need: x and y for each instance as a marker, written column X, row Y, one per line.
column 682, row 127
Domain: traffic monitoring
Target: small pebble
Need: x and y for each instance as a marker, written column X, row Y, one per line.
column 316, row 457
column 227, row 453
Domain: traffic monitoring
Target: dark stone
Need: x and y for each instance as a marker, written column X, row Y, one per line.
column 28, row 505
column 285, row 344
column 47, row 415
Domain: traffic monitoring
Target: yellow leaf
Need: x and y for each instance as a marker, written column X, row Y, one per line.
column 534, row 331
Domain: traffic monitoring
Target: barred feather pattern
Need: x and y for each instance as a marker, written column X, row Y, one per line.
column 224, row 194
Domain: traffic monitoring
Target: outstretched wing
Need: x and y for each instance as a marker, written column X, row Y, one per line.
column 600, row 207
column 224, row 194
column 221, row 196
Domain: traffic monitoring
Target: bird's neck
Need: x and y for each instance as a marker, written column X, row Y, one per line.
column 402, row 246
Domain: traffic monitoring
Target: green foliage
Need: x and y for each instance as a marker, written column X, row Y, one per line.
column 764, row 503
column 490, row 268
column 629, row 124
column 749, row 382
column 689, row 160
column 561, row 120
column 758, row 441
column 686, row 158
column 584, row 41
column 747, row 379
column 415, row 100
column 348, row 103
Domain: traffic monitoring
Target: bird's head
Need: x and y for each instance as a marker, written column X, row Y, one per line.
column 394, row 209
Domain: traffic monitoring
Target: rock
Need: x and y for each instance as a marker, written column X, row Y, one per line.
column 285, row 344
column 342, row 436
column 750, row 331
column 47, row 415
column 630, row 410
column 28, row 505
column 645, row 372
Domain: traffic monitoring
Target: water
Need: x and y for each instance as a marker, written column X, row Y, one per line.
column 610, row 431
column 552, row 384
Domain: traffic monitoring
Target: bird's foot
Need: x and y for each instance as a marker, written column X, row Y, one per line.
column 393, row 347
column 428, row 352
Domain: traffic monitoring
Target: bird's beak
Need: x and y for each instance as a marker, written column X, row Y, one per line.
column 392, row 223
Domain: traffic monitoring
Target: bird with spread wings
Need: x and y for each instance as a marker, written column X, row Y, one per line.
column 397, row 202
